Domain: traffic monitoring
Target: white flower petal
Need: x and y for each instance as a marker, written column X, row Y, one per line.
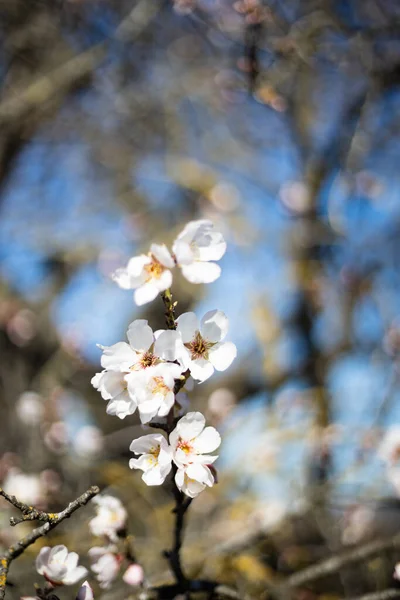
column 211, row 247
column 208, row 440
column 183, row 252
column 146, row 293
column 112, row 384
column 118, row 357
column 148, row 409
column 136, row 265
column 140, row 335
column 168, row 345
column 200, row 473
column 191, row 425
column 42, row 559
column 222, row 355
column 154, row 476
column 214, row 325
column 145, row 443
column 187, row 326
column 75, row 575
column 201, row 369
column 201, row 272
column 162, row 254
column 163, row 282
column 121, row 406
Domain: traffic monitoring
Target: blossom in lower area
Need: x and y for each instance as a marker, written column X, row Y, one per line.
column 203, row 348
column 155, row 459
column 106, row 563
column 123, row 362
column 134, row 575
column 59, row 566
column 148, row 274
column 195, row 249
column 154, row 390
column 110, row 517
column 191, row 442
column 85, row 592
column 193, row 479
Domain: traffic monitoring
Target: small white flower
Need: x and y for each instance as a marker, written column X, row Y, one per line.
column 191, row 441
column 106, row 564
column 123, row 361
column 110, row 517
column 156, row 458
column 27, row 488
column 133, row 575
column 59, row 566
column 195, row 247
column 147, row 274
column 154, row 390
column 85, row 592
column 194, row 479
column 396, row 573
column 203, row 349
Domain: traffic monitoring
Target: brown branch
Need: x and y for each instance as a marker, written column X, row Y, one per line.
column 383, row 595
column 54, row 519
column 337, row 562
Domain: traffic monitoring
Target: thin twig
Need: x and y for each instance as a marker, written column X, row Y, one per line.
column 54, row 519
column 337, row 562
column 383, row 595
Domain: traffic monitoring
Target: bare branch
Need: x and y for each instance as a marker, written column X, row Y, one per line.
column 54, row 519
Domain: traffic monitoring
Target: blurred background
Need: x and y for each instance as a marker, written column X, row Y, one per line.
column 122, row 120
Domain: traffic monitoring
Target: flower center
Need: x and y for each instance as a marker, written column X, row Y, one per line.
column 147, row 359
column 154, row 270
column 185, row 446
column 155, row 451
column 159, row 386
column 199, row 347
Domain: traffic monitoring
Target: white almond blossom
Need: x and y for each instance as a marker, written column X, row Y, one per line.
column 59, row 566
column 195, row 248
column 122, row 362
column 110, row 517
column 154, row 390
column 191, row 442
column 106, row 564
column 85, row 592
column 147, row 274
column 155, row 459
column 134, row 575
column 203, row 349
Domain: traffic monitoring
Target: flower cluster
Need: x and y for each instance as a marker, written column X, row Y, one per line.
column 147, row 372
column 106, row 561
column 141, row 374
column 194, row 251
column 188, row 448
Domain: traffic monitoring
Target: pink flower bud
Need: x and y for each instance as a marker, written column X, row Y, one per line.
column 133, row 575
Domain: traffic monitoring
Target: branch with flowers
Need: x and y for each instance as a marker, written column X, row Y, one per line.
column 148, row 373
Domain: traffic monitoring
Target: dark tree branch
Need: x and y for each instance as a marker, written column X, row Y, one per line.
column 53, row 519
